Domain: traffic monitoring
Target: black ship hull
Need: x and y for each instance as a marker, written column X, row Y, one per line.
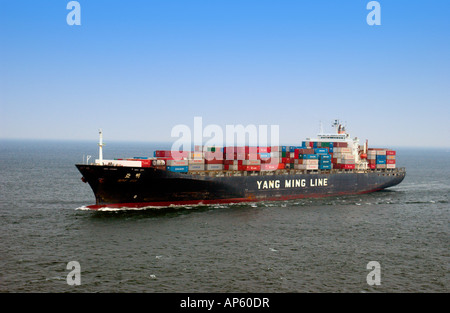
column 131, row 187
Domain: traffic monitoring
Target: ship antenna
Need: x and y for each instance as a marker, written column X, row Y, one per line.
column 336, row 125
column 100, row 147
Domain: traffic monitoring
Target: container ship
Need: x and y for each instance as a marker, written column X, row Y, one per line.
column 332, row 164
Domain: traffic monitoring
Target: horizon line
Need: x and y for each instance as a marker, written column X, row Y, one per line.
column 169, row 142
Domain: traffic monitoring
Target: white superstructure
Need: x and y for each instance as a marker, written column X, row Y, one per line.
column 352, row 144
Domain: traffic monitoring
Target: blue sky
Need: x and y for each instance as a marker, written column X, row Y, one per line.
column 136, row 69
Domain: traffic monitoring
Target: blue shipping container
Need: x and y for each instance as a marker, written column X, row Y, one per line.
column 264, row 155
column 325, row 166
column 308, row 156
column 325, row 162
column 182, row 169
column 381, row 157
column 325, row 156
column 381, row 161
column 321, row 150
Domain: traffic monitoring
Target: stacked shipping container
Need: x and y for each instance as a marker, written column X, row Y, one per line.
column 310, row 155
column 381, row 158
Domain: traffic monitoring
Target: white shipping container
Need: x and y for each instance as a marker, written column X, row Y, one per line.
column 197, row 167
column 251, row 162
column 381, row 152
column 120, row 163
column 278, row 154
column 196, row 161
column 214, row 167
column 306, row 166
column 342, row 150
column 233, row 167
column 389, row 165
column 347, row 161
column 177, row 162
column 306, row 161
column 275, row 149
column 275, row 154
column 343, row 156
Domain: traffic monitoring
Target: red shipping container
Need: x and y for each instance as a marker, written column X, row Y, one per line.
column 184, row 154
column 249, row 167
column 231, row 162
column 239, row 156
column 269, row 167
column 249, row 162
column 390, row 152
column 266, row 161
column 211, row 155
column 306, row 151
column 229, row 150
column 252, row 156
column 251, row 150
column 372, row 166
column 229, row 156
column 239, row 150
column 263, row 149
column 348, row 166
column 390, row 161
column 214, row 161
column 272, row 161
column 165, row 158
column 172, row 154
column 160, row 153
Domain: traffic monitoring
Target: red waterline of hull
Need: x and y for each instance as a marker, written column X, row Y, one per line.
column 209, row 202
